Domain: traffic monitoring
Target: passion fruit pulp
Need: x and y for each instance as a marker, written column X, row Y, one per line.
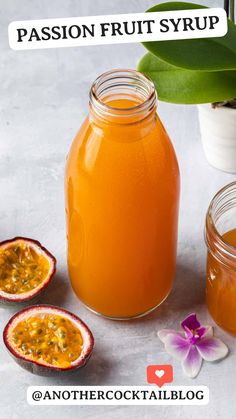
column 26, row 268
column 48, row 340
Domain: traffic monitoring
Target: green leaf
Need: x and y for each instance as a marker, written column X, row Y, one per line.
column 177, row 85
column 208, row 54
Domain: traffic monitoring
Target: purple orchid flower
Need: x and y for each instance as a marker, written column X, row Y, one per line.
column 196, row 343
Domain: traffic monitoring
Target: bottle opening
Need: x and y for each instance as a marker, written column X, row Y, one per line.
column 123, row 94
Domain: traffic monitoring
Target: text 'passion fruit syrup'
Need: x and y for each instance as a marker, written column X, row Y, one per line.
column 122, row 197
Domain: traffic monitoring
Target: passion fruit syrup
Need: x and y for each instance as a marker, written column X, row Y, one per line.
column 122, row 195
column 221, row 289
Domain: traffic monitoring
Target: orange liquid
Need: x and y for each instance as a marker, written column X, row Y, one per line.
column 221, row 289
column 122, row 192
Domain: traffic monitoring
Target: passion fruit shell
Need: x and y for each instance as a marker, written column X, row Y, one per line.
column 18, row 248
column 36, row 366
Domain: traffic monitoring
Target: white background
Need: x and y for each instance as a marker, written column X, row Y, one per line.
column 43, row 100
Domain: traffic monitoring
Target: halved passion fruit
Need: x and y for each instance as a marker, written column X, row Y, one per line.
column 26, row 268
column 46, row 339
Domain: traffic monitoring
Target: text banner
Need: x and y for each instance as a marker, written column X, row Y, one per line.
column 114, row 29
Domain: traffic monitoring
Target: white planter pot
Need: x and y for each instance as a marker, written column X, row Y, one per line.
column 218, row 132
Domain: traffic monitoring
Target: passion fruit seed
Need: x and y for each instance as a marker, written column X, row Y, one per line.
column 64, row 341
column 21, row 268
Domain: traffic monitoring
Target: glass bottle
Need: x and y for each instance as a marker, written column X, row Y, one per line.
column 122, row 196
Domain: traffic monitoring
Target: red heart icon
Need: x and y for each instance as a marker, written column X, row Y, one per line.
column 159, row 374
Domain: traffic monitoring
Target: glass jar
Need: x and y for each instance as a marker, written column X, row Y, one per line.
column 122, row 195
column 220, row 236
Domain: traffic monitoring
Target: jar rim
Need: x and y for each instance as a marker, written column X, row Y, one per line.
column 223, row 247
column 127, row 78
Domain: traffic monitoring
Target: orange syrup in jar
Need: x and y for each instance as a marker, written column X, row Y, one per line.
column 221, row 289
column 122, row 194
column 221, row 260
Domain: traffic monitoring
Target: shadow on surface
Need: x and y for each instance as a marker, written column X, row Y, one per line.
column 95, row 372
column 57, row 292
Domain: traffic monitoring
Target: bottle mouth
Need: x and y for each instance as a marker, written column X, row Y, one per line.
column 123, row 94
column 220, row 219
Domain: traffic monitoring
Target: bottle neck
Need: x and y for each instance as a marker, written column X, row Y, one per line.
column 122, row 98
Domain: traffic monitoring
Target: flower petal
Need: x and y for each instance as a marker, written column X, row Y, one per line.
column 207, row 333
column 164, row 332
column 190, row 322
column 188, row 333
column 176, row 345
column 192, row 363
column 200, row 331
column 211, row 348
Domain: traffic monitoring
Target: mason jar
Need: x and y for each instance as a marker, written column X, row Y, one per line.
column 220, row 235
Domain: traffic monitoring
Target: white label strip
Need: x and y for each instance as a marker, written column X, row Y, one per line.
column 117, row 395
column 114, row 29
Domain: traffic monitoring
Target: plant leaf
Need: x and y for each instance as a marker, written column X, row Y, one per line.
column 209, row 54
column 177, row 85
